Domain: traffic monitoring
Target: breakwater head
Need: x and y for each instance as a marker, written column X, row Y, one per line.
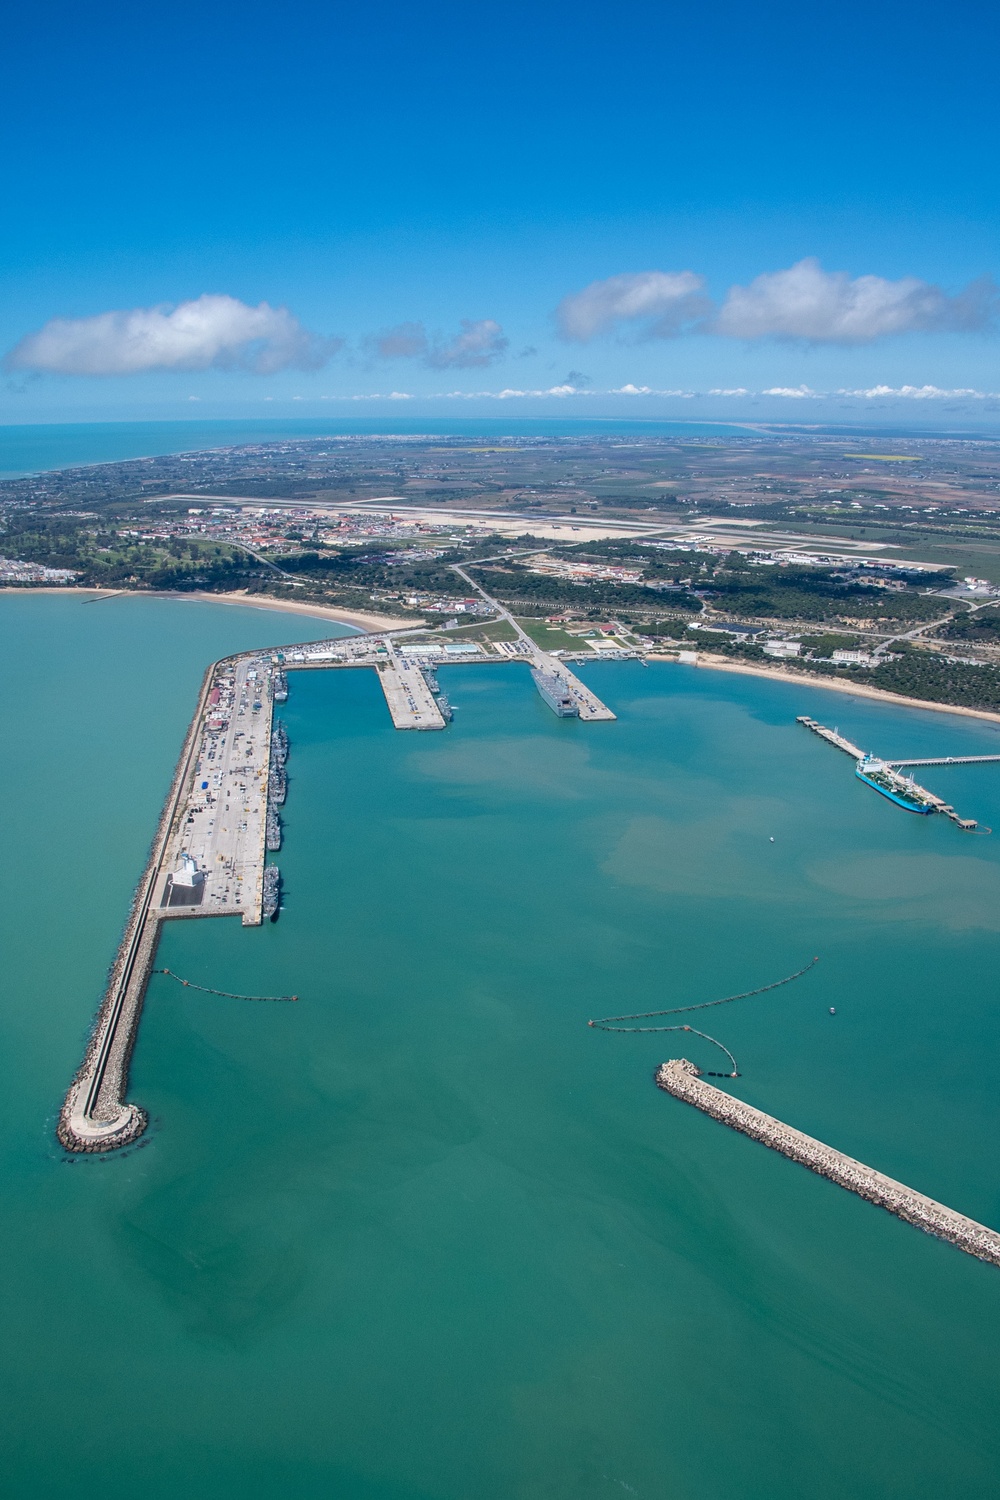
column 682, row 1079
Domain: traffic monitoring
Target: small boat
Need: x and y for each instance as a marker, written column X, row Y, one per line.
column 833, row 1010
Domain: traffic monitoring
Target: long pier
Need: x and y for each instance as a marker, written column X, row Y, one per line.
column 832, row 737
column 885, row 775
column 408, row 694
column 589, row 707
column 946, row 760
column 682, row 1079
column 95, row 1116
column 207, row 859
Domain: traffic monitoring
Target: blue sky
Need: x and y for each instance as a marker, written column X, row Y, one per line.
column 239, row 209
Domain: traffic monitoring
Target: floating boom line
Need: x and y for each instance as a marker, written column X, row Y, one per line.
column 189, row 984
column 734, row 1072
column 607, row 1023
column 707, row 1072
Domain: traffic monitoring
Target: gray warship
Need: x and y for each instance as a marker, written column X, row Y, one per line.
column 556, row 693
column 271, row 898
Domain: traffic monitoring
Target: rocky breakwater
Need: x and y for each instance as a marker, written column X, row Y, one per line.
column 682, row 1079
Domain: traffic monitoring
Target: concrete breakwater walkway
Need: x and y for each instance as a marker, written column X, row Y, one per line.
column 207, row 859
column 682, row 1079
column 94, row 1115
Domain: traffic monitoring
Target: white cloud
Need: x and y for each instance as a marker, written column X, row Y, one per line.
column 665, row 301
column 405, row 341
column 922, row 393
column 511, row 394
column 210, row 332
column 806, row 302
column 477, row 344
column 373, row 396
column 564, row 391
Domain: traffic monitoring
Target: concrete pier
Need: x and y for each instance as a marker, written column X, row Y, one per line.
column 589, row 707
column 832, row 737
column 407, row 693
column 946, row 760
column 95, row 1116
column 889, row 780
column 223, row 822
column 682, row 1079
column 207, row 859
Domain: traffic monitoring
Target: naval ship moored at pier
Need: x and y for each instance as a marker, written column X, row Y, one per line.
column 556, row 693
column 271, row 898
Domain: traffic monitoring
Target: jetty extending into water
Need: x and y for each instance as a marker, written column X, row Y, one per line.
column 408, row 693
column 884, row 776
column 207, row 859
column 682, row 1079
column 557, row 686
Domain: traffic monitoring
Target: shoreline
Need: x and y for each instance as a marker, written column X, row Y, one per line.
column 370, row 622
column 835, row 685
column 364, row 620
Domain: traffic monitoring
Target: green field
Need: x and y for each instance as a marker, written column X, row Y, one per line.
column 496, row 630
column 551, row 637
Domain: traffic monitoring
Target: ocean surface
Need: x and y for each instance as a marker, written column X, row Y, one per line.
column 29, row 448
column 425, row 1235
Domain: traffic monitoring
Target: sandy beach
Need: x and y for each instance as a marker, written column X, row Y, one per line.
column 857, row 690
column 359, row 618
column 33, row 588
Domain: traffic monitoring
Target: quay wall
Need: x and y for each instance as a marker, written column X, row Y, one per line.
column 94, row 1115
column 253, row 915
column 682, row 1079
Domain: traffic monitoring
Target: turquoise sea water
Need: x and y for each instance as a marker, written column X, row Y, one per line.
column 27, row 448
column 426, row 1234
